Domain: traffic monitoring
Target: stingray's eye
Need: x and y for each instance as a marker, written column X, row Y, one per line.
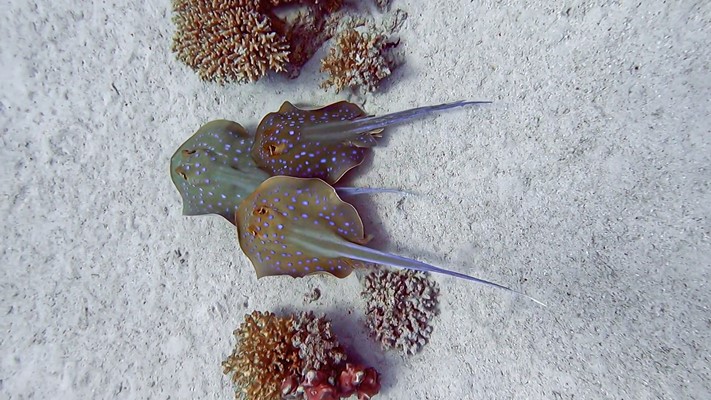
column 252, row 230
column 181, row 172
column 274, row 149
column 260, row 211
column 187, row 152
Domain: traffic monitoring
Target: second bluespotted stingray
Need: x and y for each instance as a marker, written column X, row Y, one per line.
column 299, row 226
column 327, row 142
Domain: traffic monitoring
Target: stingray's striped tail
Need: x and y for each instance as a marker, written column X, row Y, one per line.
column 351, row 130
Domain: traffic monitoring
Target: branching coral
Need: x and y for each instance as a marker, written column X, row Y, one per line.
column 295, row 357
column 263, row 357
column 227, row 40
column 318, row 347
column 357, row 60
column 242, row 40
column 400, row 306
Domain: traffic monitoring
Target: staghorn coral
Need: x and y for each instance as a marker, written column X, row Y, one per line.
column 264, row 356
column 357, row 60
column 227, row 40
column 318, row 346
column 400, row 306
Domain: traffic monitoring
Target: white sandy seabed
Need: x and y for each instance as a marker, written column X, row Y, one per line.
column 585, row 184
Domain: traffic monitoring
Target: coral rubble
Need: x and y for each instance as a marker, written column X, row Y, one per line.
column 400, row 306
column 294, row 357
column 358, row 59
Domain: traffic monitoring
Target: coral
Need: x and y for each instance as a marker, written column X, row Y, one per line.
column 358, row 59
column 263, row 357
column 306, row 33
column 400, row 306
column 317, row 387
column 393, row 21
column 227, row 40
column 350, row 379
column 242, row 40
column 318, row 347
column 294, row 357
column 364, row 382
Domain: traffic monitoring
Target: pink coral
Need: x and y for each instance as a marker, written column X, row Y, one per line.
column 364, row 382
column 349, row 380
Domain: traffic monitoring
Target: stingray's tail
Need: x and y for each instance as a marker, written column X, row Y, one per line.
column 353, row 130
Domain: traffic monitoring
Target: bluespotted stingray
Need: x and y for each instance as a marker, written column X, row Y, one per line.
column 327, row 142
column 214, row 172
column 300, row 226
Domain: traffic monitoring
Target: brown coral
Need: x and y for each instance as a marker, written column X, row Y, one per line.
column 242, row 40
column 400, row 306
column 357, row 60
column 264, row 356
column 227, row 40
